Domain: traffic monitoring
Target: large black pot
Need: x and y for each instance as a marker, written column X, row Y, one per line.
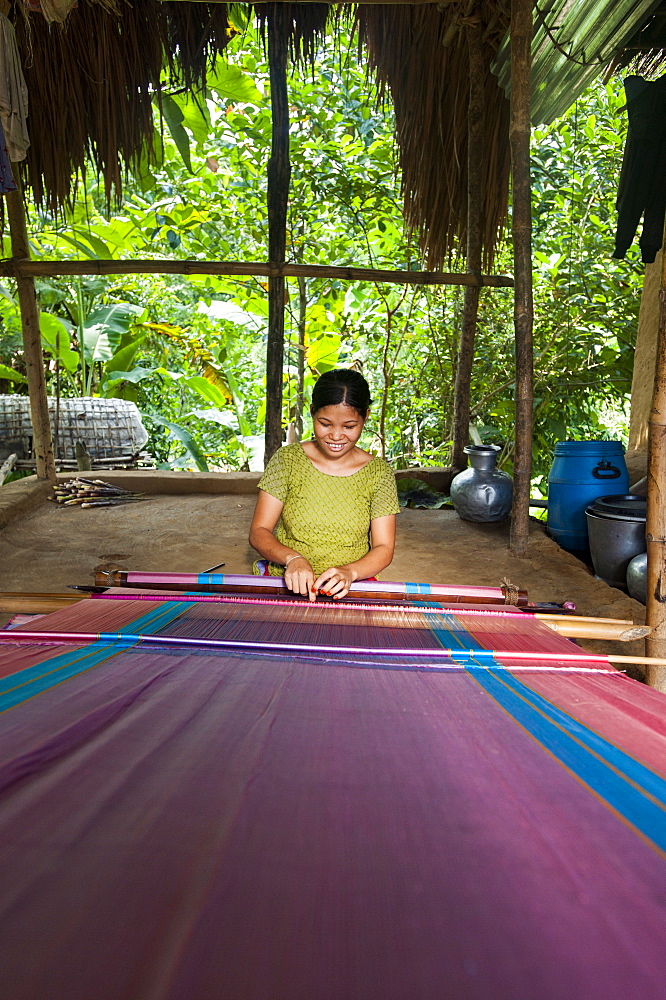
column 616, row 528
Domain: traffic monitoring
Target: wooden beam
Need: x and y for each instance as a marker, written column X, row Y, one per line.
column 54, row 268
column 656, row 501
column 521, row 228
column 475, row 143
column 32, row 340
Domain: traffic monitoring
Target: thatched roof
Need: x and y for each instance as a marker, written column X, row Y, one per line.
column 420, row 55
column 92, row 80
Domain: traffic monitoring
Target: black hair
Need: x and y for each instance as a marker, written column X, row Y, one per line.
column 342, row 385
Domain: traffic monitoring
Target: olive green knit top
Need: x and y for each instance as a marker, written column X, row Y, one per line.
column 327, row 518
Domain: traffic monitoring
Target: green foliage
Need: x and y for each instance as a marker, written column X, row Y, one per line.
column 190, row 350
column 11, row 376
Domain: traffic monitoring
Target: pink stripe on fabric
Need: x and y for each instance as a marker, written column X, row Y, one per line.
column 628, row 714
column 188, row 828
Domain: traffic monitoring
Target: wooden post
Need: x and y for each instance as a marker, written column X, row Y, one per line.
column 521, row 228
column 475, row 130
column 279, row 173
column 32, row 340
column 656, row 502
column 300, row 360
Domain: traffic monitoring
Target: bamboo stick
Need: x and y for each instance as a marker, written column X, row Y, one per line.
column 475, row 144
column 656, row 499
column 32, row 340
column 279, row 175
column 581, row 618
column 654, row 665
column 566, row 625
column 36, row 603
column 521, row 228
column 54, row 268
column 535, row 660
column 577, row 628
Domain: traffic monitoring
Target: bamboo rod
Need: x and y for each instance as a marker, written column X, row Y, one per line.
column 32, row 340
column 569, row 626
column 478, row 656
column 654, row 664
column 656, row 498
column 279, row 175
column 37, row 604
column 521, row 228
column 581, row 618
column 55, row 268
column 577, row 628
column 475, row 144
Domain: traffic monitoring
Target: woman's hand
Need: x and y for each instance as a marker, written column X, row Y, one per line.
column 335, row 581
column 299, row 577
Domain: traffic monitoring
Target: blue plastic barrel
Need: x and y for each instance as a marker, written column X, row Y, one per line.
column 581, row 472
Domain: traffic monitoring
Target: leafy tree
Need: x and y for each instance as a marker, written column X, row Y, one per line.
column 190, row 351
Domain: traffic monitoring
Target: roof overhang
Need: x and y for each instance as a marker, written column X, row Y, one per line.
column 574, row 42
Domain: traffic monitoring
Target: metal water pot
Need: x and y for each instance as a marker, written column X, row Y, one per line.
column 482, row 492
column 637, row 577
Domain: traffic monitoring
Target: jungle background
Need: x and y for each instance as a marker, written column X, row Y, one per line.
column 190, row 351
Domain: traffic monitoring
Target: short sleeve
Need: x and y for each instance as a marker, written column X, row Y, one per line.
column 275, row 479
column 385, row 496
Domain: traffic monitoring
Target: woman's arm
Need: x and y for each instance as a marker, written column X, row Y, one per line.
column 337, row 580
column 298, row 575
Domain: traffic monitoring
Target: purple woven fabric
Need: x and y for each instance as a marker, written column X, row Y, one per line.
column 201, row 827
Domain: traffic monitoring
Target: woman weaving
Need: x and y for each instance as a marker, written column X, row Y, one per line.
column 325, row 515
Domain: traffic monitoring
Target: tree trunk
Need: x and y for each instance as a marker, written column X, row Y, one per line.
column 32, row 341
column 521, row 227
column 656, row 503
column 475, row 130
column 279, row 172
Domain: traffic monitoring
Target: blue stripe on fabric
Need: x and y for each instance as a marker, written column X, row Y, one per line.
column 25, row 684
column 417, row 588
column 619, row 779
column 210, row 577
column 634, row 771
column 152, row 621
column 595, row 761
column 450, row 633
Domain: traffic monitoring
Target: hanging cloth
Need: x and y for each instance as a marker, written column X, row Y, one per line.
column 13, row 93
column 53, row 10
column 642, row 190
column 7, row 182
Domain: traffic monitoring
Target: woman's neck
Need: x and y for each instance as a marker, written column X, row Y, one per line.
column 346, row 465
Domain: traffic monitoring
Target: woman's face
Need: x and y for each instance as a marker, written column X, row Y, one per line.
column 337, row 429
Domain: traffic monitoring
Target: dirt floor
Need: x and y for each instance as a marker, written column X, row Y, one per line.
column 50, row 547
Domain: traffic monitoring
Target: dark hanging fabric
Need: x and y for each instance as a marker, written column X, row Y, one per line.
column 642, row 190
column 7, row 182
